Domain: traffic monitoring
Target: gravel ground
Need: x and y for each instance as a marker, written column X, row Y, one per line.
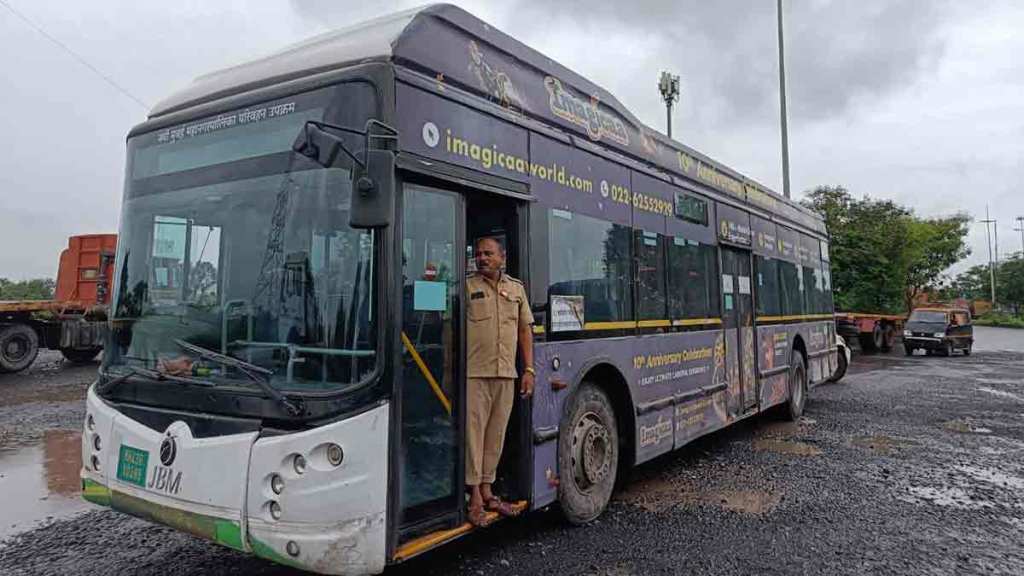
column 908, row 466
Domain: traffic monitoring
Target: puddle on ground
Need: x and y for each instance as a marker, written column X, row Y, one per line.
column 993, row 477
column 785, row 429
column 949, row 497
column 659, row 495
column 40, row 481
column 1003, row 394
column 879, row 444
column 965, row 426
column 788, row 447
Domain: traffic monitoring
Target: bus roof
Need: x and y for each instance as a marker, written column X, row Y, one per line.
column 441, row 41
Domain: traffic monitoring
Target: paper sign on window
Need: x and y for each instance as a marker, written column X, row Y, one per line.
column 429, row 296
column 566, row 313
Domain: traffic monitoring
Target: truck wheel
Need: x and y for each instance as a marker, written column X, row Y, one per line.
column 588, row 454
column 797, row 388
column 967, row 351
column 80, row 355
column 947, row 349
column 19, row 346
column 909, row 350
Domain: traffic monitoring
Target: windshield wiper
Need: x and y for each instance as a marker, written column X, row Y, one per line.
column 253, row 372
column 152, row 375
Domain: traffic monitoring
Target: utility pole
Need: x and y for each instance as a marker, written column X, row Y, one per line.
column 991, row 268
column 782, row 105
column 668, row 85
column 1020, row 228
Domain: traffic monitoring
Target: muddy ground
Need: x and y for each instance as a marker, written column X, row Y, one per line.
column 909, row 466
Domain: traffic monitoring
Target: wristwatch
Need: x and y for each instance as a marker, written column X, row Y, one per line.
column 530, row 370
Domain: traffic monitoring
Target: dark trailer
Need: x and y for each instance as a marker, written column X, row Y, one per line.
column 299, row 226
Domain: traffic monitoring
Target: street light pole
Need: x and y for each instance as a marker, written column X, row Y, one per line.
column 668, row 85
column 1020, row 228
column 991, row 268
column 782, row 105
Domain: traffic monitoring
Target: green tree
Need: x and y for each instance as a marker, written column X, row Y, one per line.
column 36, row 289
column 882, row 254
column 935, row 245
column 1010, row 283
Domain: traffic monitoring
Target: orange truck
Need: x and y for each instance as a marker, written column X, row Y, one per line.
column 874, row 332
column 75, row 320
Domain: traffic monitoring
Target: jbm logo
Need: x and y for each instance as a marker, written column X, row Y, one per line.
column 165, row 478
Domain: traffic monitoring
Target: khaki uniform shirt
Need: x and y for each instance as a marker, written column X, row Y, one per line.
column 495, row 313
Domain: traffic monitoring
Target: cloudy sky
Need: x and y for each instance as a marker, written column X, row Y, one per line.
column 917, row 101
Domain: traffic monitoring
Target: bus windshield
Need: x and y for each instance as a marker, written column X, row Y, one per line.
column 234, row 245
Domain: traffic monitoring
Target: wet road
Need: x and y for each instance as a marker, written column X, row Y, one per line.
column 910, row 465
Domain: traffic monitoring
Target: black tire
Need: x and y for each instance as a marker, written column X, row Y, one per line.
column 908, row 350
column 588, row 454
column 967, row 351
column 947, row 349
column 80, row 356
column 794, row 409
column 841, row 368
column 19, row 346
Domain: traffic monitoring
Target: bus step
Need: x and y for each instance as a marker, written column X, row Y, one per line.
column 434, row 539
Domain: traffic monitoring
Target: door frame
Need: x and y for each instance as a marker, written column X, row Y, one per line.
column 744, row 254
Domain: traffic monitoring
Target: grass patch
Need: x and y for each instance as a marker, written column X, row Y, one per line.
column 1000, row 319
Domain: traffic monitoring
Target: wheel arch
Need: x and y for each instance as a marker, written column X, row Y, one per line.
column 605, row 375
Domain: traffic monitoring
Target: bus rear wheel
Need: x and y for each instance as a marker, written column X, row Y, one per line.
column 797, row 387
column 588, row 454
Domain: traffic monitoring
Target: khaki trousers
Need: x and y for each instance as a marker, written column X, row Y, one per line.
column 488, row 406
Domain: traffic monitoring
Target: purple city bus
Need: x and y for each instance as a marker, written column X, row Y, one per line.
column 298, row 392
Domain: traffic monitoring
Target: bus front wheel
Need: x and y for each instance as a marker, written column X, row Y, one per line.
column 588, row 454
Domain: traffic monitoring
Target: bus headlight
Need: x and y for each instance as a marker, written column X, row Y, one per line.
column 90, row 423
column 277, row 483
column 335, row 454
column 299, row 463
column 275, row 510
column 96, row 443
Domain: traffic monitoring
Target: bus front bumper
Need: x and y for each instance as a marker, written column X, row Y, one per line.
column 327, row 516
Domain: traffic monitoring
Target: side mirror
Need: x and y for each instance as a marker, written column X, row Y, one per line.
column 373, row 191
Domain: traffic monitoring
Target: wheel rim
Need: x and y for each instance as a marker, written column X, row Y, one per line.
column 592, row 451
column 16, row 348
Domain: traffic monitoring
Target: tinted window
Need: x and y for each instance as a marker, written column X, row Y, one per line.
column 768, row 293
column 650, row 275
column 792, row 284
column 589, row 257
column 692, row 279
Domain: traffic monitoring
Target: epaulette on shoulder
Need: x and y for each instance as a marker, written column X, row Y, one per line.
column 516, row 280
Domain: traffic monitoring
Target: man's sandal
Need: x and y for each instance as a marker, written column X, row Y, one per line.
column 476, row 516
column 498, row 505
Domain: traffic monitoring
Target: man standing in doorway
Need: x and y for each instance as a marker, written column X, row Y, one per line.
column 499, row 323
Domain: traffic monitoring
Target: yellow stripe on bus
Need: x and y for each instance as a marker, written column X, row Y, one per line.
column 608, row 325
column 696, row 321
column 426, row 373
column 794, row 317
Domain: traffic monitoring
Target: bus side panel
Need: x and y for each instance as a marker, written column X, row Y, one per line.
column 774, row 346
column 819, row 340
column 676, row 382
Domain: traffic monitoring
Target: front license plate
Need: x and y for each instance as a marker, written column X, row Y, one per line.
column 131, row 465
